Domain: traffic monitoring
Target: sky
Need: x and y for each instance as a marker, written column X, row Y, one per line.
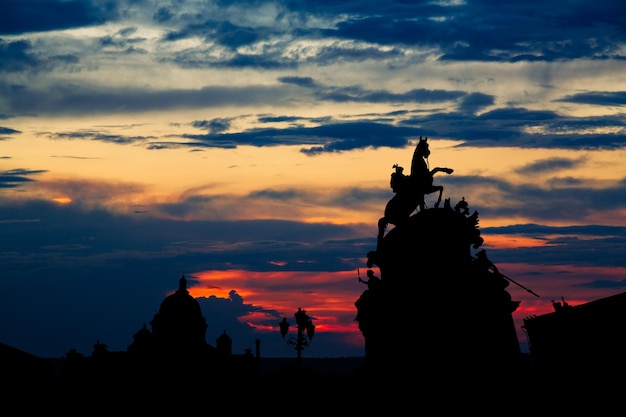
column 248, row 146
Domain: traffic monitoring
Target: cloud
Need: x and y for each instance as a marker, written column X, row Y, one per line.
column 223, row 315
column 599, row 98
column 23, row 16
column 67, row 99
column 7, row 131
column 100, row 136
column 523, row 128
column 603, row 284
column 331, row 137
column 510, row 33
column 580, row 245
column 213, row 126
column 307, row 82
column 550, row 165
column 17, row 177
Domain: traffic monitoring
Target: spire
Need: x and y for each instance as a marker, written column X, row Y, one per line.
column 182, row 284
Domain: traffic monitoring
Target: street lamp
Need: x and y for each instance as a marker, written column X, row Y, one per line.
column 306, row 331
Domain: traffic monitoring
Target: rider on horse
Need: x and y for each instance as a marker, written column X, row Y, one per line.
column 410, row 190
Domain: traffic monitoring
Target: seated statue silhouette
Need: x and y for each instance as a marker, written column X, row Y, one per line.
column 410, row 190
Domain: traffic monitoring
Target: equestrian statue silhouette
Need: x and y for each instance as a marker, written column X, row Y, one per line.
column 410, row 190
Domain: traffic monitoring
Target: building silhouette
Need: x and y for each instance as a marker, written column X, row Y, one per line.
column 586, row 339
column 177, row 343
column 173, row 347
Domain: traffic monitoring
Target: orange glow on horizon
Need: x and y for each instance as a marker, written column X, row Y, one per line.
column 328, row 297
column 199, row 292
column 512, row 241
column 62, row 200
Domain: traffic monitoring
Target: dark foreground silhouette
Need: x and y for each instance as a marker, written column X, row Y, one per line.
column 439, row 310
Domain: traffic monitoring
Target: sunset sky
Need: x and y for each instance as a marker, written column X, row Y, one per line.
column 248, row 145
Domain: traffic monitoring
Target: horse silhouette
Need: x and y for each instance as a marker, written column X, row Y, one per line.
column 410, row 190
column 422, row 176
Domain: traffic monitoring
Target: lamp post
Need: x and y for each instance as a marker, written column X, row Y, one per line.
column 306, row 330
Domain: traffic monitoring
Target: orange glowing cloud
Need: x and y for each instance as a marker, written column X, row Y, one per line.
column 513, row 241
column 328, row 297
column 62, row 200
column 611, row 217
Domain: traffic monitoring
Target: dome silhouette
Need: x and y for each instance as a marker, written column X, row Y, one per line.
column 179, row 325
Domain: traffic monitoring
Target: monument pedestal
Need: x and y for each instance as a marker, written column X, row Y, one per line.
column 436, row 309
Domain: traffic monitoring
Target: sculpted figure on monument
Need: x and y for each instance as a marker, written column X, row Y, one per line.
column 410, row 190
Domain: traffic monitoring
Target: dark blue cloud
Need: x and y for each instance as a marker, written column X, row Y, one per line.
column 506, row 127
column 600, row 98
column 17, row 177
column 122, row 40
column 276, row 194
column 603, row 284
column 223, row 33
column 299, row 81
column 67, row 99
column 602, row 250
column 561, row 199
column 357, row 94
column 213, row 126
column 162, row 15
column 20, row 56
column 16, row 56
column 495, row 31
column 336, row 53
column 8, row 131
column 279, row 119
column 102, row 137
column 518, row 114
column 549, row 165
column 335, row 137
column 92, row 235
column 474, row 102
column 22, row 16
